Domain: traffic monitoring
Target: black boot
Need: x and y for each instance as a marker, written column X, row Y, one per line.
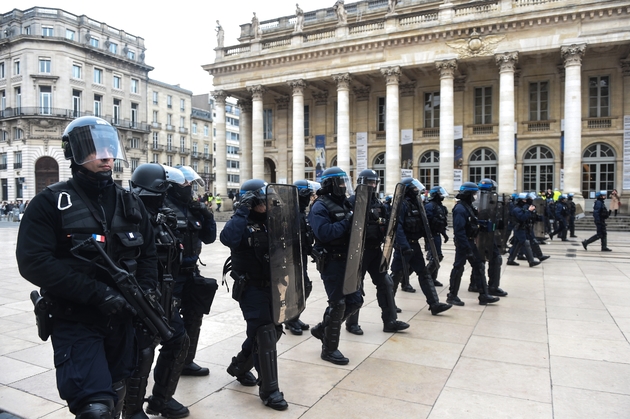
column 192, row 324
column 352, row 324
column 269, row 392
column 454, row 300
column 171, row 409
column 439, row 308
column 589, row 241
column 605, row 245
column 294, row 327
column 240, row 368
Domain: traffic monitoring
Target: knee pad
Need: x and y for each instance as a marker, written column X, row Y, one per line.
column 97, row 409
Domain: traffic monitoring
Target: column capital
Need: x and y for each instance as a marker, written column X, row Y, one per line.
column 391, row 74
column 506, row 61
column 625, row 67
column 446, row 68
column 572, row 54
column 245, row 105
column 219, row 96
column 342, row 80
column 297, row 86
column 257, row 92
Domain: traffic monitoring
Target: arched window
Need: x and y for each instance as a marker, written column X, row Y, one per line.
column 429, row 169
column 309, row 169
column 378, row 166
column 351, row 174
column 538, row 169
column 598, row 169
column 483, row 164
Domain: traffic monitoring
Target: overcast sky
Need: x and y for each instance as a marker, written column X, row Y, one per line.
column 179, row 40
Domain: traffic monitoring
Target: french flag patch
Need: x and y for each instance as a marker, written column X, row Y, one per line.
column 99, row 238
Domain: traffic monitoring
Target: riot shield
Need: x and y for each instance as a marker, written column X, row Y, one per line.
column 285, row 252
column 390, row 235
column 352, row 277
column 579, row 212
column 539, row 224
column 433, row 257
column 503, row 218
column 487, row 203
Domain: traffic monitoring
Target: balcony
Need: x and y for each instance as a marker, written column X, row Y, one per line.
column 170, row 127
column 157, row 147
column 183, row 130
column 38, row 111
column 430, row 132
column 269, row 143
column 3, row 166
column 156, row 125
column 483, row 129
column 599, row 123
column 17, row 165
column 118, row 169
column 207, row 156
column 537, row 126
column 195, row 154
column 171, row 150
column 184, row 151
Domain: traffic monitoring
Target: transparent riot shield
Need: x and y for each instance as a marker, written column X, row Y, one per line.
column 433, row 257
column 352, row 277
column 390, row 235
column 579, row 212
column 539, row 224
column 285, row 252
column 503, row 218
column 487, row 203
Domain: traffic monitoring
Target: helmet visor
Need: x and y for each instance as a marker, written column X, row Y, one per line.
column 174, row 175
column 441, row 191
column 191, row 176
column 418, row 185
column 96, row 142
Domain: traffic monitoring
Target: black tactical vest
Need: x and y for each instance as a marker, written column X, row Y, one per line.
column 188, row 228
column 253, row 258
column 336, row 213
column 413, row 225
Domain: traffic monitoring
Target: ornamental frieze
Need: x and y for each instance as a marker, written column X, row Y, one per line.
column 476, row 45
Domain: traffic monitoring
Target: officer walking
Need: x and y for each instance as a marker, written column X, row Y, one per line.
column 562, row 212
column 195, row 224
column 465, row 230
column 246, row 236
column 150, row 182
column 437, row 214
column 92, row 325
column 524, row 213
column 330, row 218
column 572, row 211
column 409, row 231
column 305, row 192
column 600, row 214
column 372, row 256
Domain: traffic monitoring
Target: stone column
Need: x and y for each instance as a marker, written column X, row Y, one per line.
column 245, row 140
column 258, row 143
column 298, row 129
column 392, row 129
column 220, row 183
column 507, row 65
column 343, row 120
column 447, row 122
column 572, row 56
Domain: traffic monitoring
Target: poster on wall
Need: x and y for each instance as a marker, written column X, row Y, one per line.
column 458, row 152
column 457, row 179
column 362, row 151
column 320, row 156
column 406, row 150
column 626, row 152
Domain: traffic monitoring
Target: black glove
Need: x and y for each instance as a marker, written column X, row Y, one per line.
column 170, row 217
column 349, row 216
column 249, row 200
column 114, row 304
column 445, row 237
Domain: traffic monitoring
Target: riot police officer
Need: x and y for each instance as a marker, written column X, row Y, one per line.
column 465, row 230
column 572, row 211
column 409, row 231
column 524, row 213
column 600, row 214
column 330, row 218
column 562, row 212
column 246, row 236
column 150, row 182
column 437, row 214
column 372, row 256
column 195, row 224
column 305, row 192
column 92, row 330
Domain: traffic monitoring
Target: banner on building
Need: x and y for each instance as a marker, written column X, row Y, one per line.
column 458, row 152
column 406, row 150
column 320, row 156
column 457, row 179
column 626, row 152
column 362, row 151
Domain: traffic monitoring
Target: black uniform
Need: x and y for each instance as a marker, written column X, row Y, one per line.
column 600, row 214
column 93, row 352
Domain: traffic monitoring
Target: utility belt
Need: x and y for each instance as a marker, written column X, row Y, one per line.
column 413, row 241
column 242, row 281
column 187, row 270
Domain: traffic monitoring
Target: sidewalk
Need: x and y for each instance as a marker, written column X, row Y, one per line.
column 556, row 347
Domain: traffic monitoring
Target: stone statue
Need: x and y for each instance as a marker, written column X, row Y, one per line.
column 299, row 18
column 256, row 30
column 391, row 6
column 342, row 16
column 220, row 35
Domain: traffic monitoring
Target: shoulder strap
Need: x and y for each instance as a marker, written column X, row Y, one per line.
column 88, row 204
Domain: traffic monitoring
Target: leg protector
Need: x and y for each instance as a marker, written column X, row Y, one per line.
column 334, row 319
column 428, row 288
column 456, row 279
column 120, row 387
column 385, row 296
column 97, row 409
column 528, row 252
column 396, row 279
column 137, row 383
column 494, row 271
column 169, row 368
column 192, row 324
column 266, row 338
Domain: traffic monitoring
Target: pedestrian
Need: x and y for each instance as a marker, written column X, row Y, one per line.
column 218, row 202
column 600, row 214
column 615, row 203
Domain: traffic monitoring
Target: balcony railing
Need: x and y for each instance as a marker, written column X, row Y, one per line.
column 70, row 114
column 170, row 127
column 483, row 129
column 184, row 151
column 3, row 166
column 599, row 123
column 536, row 126
column 157, row 147
column 183, row 130
column 171, row 150
column 17, row 165
column 156, row 125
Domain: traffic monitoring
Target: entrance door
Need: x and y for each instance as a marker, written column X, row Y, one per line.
column 46, row 173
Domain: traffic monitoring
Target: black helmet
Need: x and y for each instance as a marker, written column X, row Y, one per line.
column 467, row 191
column 305, row 191
column 336, row 182
column 89, row 138
column 257, row 185
column 154, row 179
column 413, row 187
column 487, row 185
column 368, row 176
column 437, row 193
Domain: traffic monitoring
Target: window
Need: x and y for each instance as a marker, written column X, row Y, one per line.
column 429, row 169
column 118, row 166
column 3, row 73
column 194, row 148
column 483, row 165
column 155, row 158
column 155, row 116
column 156, row 139
column 17, row 158
column 539, row 101
column 182, row 121
column 155, row 98
column 195, row 166
column 134, row 115
column 76, row 103
column 135, row 86
column 206, row 167
column 379, row 167
column 182, row 104
column 231, row 121
column 182, row 161
column 307, row 119
column 169, row 160
column 98, row 76
column 599, row 97
column 169, row 142
column 94, row 42
column 134, row 164
column 232, row 164
column 380, row 117
column 169, row 121
column 47, row 31
column 231, row 149
column 598, row 169
column 18, row 134
column 267, row 124
column 16, row 67
column 44, row 65
column 483, row 106
column 194, row 128
column 45, row 100
column 169, row 101
column 234, row 179
column 134, row 143
column 77, row 71
column 116, row 112
column 232, row 136
column 98, row 106
column 182, row 143
column 70, row 34
column 27, row 30
column 3, row 156
column 538, row 169
column 206, row 131
column 432, row 111
column 3, row 101
column 117, row 82
column 131, row 55
column 18, row 98
column 113, row 48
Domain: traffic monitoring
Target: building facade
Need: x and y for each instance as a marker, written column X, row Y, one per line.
column 531, row 93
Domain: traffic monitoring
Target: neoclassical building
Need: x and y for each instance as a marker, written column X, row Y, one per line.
column 531, row 93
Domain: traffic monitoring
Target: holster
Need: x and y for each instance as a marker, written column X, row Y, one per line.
column 199, row 293
column 320, row 259
column 43, row 318
column 240, row 282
